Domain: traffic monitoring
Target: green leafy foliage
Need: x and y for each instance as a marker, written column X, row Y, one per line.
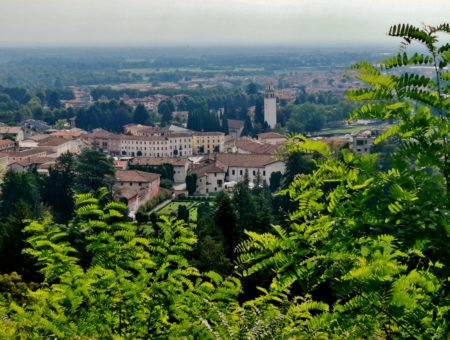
column 418, row 101
column 133, row 287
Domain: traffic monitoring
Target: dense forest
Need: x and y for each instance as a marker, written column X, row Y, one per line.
column 343, row 249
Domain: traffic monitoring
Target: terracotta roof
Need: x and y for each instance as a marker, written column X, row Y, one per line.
column 148, row 138
column 235, row 124
column 46, row 165
column 10, row 129
column 53, row 141
column 245, row 161
column 215, row 167
column 255, row 147
column 38, row 137
column 135, row 176
column 270, row 135
column 72, row 133
column 100, row 133
column 25, row 153
column 159, row 161
column 41, row 160
column 6, row 142
column 23, row 163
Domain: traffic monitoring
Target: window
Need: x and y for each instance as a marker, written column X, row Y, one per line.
column 264, row 172
column 240, row 172
column 233, row 172
column 254, row 173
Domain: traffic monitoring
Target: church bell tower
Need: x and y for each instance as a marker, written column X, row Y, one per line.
column 270, row 106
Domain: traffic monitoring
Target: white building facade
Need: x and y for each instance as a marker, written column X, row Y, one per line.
column 172, row 145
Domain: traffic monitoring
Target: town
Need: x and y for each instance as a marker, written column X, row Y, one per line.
column 217, row 161
column 224, row 169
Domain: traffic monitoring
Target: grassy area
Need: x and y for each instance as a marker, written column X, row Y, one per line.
column 172, row 209
column 348, row 129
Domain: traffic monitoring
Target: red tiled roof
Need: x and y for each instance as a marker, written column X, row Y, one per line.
column 180, row 161
column 53, row 141
column 6, row 142
column 254, row 147
column 215, row 167
column 135, row 176
column 245, row 161
column 270, row 135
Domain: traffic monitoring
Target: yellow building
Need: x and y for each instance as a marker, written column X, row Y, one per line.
column 207, row 142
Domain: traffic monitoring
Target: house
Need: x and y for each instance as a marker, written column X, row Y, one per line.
column 42, row 164
column 272, row 138
column 252, row 146
column 74, row 133
column 240, row 166
column 215, row 173
column 57, row 146
column 229, row 144
column 7, row 144
column 364, row 140
column 20, row 166
column 235, row 127
column 25, row 155
column 136, row 187
column 180, row 165
column 15, row 132
column 104, row 141
column 207, row 142
column 210, row 177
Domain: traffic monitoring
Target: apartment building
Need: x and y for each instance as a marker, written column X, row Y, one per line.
column 207, row 142
column 168, row 145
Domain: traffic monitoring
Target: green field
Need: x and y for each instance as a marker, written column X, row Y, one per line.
column 348, row 129
column 172, row 208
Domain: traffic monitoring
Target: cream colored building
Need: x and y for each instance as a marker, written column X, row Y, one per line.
column 180, row 165
column 56, row 146
column 210, row 178
column 169, row 145
column 239, row 166
column 208, row 142
column 364, row 140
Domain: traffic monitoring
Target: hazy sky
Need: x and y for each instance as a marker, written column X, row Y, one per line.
column 209, row 22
